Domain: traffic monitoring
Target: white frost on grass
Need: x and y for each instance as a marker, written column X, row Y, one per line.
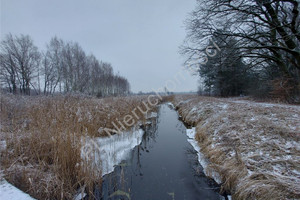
column 191, row 133
column 111, row 151
column 265, row 135
column 8, row 191
column 266, row 105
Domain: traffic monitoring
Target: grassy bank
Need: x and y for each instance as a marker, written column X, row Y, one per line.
column 255, row 147
column 41, row 140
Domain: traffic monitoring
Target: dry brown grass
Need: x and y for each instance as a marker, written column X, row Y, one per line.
column 44, row 141
column 168, row 98
column 254, row 147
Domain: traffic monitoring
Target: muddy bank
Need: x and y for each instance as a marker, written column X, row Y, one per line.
column 254, row 147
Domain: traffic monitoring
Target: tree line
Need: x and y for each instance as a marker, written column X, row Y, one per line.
column 63, row 68
column 259, row 42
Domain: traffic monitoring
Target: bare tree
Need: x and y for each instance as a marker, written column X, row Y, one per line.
column 96, row 73
column 53, row 66
column 8, row 73
column 20, row 59
column 64, row 65
column 268, row 32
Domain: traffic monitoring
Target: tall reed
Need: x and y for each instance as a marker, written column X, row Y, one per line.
column 43, row 154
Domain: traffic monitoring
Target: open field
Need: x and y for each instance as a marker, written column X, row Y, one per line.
column 254, row 147
column 41, row 140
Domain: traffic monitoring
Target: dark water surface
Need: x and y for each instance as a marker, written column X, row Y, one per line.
column 163, row 167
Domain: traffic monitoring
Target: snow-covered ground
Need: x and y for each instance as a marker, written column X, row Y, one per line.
column 255, row 147
column 10, row 192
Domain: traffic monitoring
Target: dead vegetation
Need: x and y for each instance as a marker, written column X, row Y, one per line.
column 254, row 147
column 43, row 141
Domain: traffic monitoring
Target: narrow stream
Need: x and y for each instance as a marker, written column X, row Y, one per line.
column 164, row 166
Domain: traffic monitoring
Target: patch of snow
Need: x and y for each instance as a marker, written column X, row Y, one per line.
column 290, row 144
column 152, row 115
column 171, row 104
column 296, row 172
column 80, row 196
column 111, row 151
column 90, row 117
column 8, row 191
column 2, row 145
column 263, row 138
column 225, row 106
column 191, row 133
column 296, row 116
column 294, row 128
column 193, row 109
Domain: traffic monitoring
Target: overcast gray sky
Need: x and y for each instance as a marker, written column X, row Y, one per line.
column 140, row 38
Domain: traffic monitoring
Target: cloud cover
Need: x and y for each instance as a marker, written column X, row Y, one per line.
column 140, row 38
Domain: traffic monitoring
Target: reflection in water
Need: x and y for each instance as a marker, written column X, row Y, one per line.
column 164, row 166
